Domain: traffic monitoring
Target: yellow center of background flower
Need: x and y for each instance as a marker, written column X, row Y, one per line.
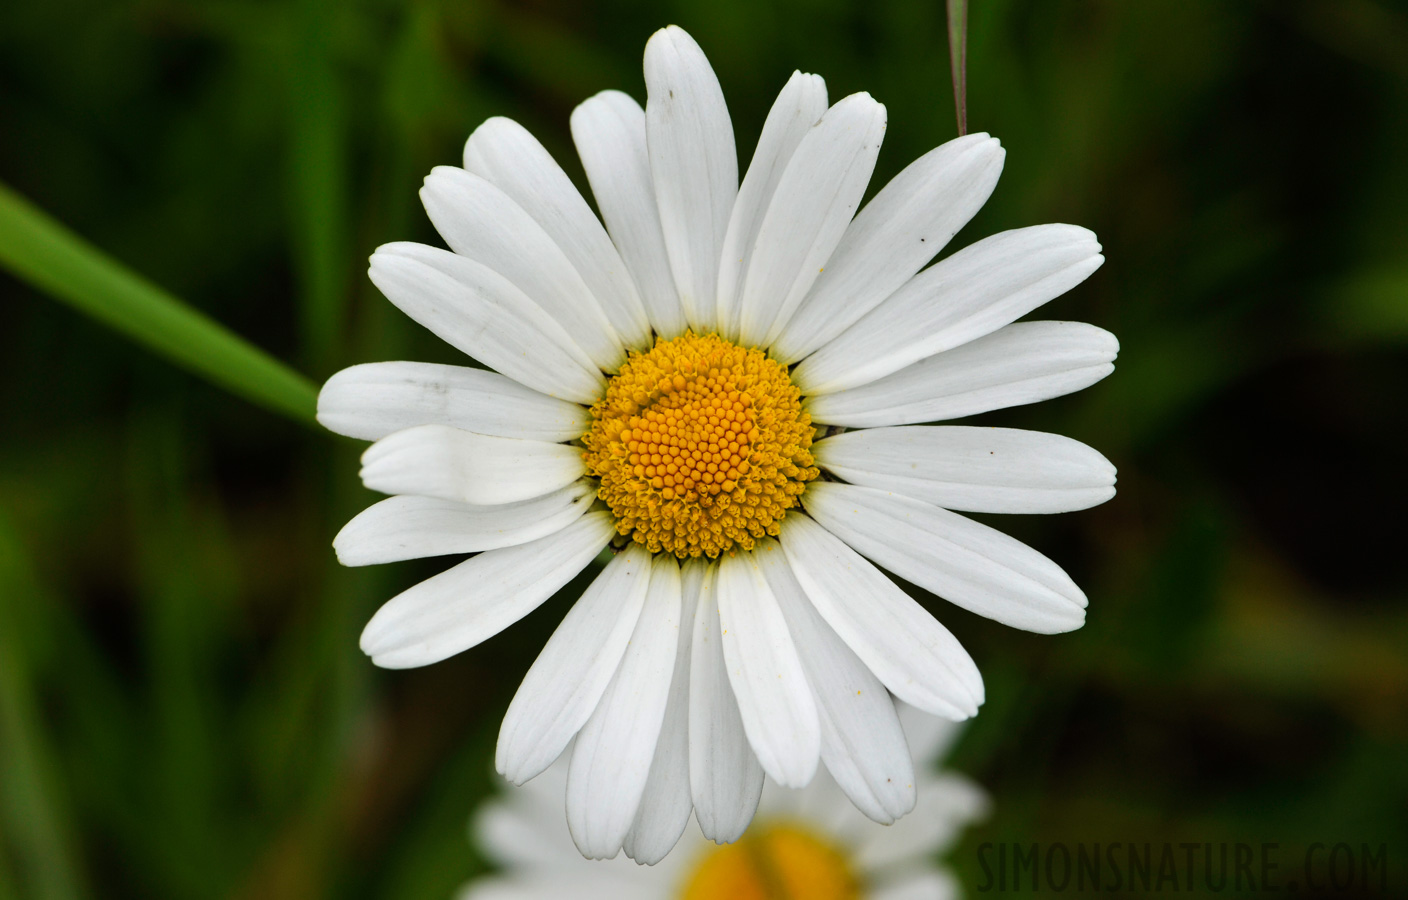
column 701, row 446
column 774, row 862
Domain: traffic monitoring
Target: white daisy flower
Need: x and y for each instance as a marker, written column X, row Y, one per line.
column 673, row 385
column 810, row 843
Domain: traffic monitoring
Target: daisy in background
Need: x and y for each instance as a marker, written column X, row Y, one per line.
column 677, row 385
column 810, row 844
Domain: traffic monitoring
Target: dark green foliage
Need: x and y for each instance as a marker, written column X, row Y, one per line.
column 184, row 712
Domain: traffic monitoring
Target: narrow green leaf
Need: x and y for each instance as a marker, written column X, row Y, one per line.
column 958, row 60
column 43, row 252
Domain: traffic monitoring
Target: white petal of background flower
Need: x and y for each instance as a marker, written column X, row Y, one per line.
column 504, row 153
column 929, row 737
column 724, row 775
column 410, row 527
column 525, row 827
column 603, row 886
column 566, row 681
column 444, row 462
column 862, row 743
column 893, row 237
column 815, row 200
column 965, row 562
column 1025, row 362
column 372, row 400
column 823, row 804
column 965, row 296
column 480, row 597
column 919, row 886
column 609, row 131
column 481, row 222
column 612, row 754
column 798, row 107
column 693, row 165
column 479, row 312
column 947, row 803
column 666, row 803
column 907, row 649
column 996, row 470
column 774, row 700
column 524, row 832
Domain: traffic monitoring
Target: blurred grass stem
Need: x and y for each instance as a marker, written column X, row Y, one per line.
column 44, row 253
column 34, row 822
column 317, row 180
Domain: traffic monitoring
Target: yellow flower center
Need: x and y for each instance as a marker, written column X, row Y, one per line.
column 774, row 862
column 701, row 446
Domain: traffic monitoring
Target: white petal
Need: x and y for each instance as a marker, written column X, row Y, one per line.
column 410, row 527
column 947, row 804
column 862, row 743
column 816, row 199
column 693, row 165
column 1025, row 362
column 481, row 596
column 774, row 699
column 996, row 470
column 444, row 462
column 924, row 885
column 724, row 776
column 968, row 564
column 907, row 649
column 609, row 131
column 374, row 399
column 479, row 312
column 567, row 679
column 611, row 757
column 971, row 293
column 897, row 233
column 797, row 108
column 502, row 151
column 481, row 222
column 666, row 803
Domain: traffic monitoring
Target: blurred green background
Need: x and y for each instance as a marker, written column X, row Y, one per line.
column 183, row 709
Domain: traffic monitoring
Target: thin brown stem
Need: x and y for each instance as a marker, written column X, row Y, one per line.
column 958, row 59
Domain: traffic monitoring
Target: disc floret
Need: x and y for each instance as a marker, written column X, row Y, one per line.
column 701, row 446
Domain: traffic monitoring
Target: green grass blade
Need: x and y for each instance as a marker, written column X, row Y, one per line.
column 43, row 252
